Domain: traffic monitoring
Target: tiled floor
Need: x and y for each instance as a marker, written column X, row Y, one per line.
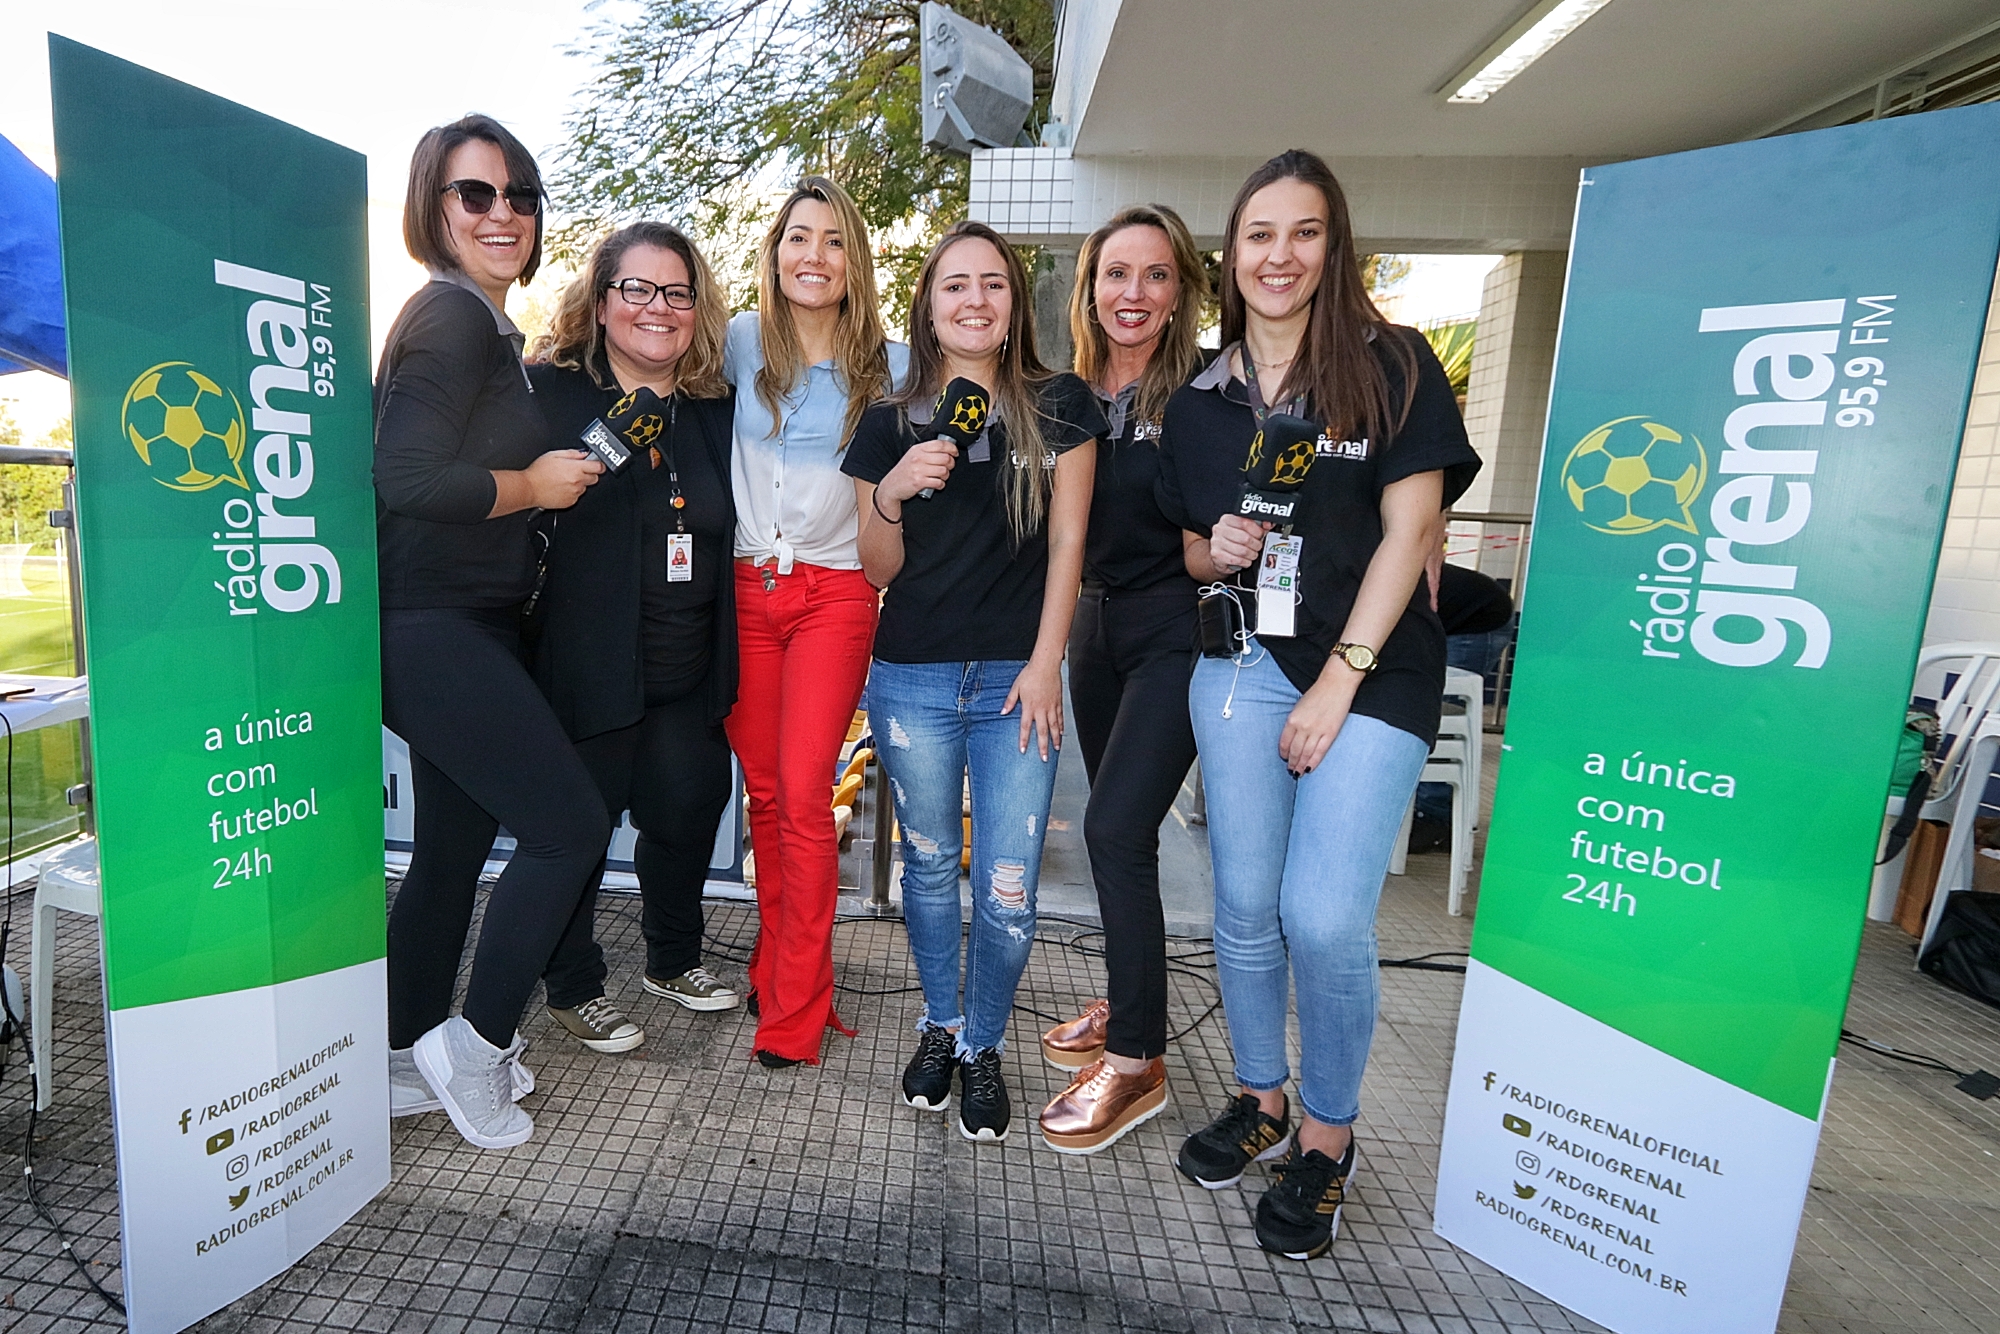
column 683, row 1187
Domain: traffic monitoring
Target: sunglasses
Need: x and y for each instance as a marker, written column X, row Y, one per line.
column 639, row 292
column 478, row 197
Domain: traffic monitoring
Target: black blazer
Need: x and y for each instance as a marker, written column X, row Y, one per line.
column 586, row 655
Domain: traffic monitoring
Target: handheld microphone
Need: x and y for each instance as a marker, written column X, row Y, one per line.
column 1280, row 457
column 959, row 416
column 633, row 424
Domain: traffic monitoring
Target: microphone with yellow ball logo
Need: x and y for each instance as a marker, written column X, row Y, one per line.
column 1280, row 457
column 960, row 416
column 632, row 425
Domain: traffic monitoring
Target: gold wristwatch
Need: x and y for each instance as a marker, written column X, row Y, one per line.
column 1358, row 656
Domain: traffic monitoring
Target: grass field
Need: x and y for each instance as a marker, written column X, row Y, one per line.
column 35, row 641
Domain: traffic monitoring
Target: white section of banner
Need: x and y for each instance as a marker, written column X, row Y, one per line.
column 1627, row 1185
column 250, row 1125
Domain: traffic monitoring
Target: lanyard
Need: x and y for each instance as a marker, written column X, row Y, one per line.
column 673, row 466
column 1295, row 406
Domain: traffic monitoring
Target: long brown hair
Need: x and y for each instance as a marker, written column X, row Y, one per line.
column 575, row 337
column 1336, row 367
column 424, row 234
column 860, row 353
column 1021, row 375
column 1177, row 355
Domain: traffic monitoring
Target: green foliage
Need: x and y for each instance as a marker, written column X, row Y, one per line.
column 702, row 110
column 1453, row 345
column 29, row 491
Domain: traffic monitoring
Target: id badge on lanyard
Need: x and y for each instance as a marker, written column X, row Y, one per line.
column 680, row 542
column 1278, row 566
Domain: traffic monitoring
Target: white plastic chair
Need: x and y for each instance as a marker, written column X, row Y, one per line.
column 68, row 882
column 1469, row 690
column 1447, row 764
column 1962, row 710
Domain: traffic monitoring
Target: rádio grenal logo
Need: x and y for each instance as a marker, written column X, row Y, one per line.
column 1632, row 476
column 188, row 429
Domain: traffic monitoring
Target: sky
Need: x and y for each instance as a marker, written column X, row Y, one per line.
column 374, row 75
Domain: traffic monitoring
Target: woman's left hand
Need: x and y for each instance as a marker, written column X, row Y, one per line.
column 1314, row 722
column 1038, row 690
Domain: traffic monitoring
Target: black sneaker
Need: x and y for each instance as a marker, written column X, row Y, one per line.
column 1216, row 1155
column 1299, row 1217
column 927, row 1078
column 983, row 1109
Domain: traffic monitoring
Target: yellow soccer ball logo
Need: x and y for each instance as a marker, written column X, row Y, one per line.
column 188, row 430
column 1631, row 476
column 645, row 430
column 970, row 414
column 1293, row 464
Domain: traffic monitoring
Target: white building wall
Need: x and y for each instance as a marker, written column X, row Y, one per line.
column 1965, row 600
column 1506, row 406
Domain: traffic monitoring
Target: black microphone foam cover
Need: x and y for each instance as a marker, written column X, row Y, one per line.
column 1281, row 454
column 961, row 412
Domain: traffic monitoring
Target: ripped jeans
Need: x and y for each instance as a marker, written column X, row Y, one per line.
column 932, row 721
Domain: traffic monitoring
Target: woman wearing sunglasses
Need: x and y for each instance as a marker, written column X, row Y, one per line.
column 805, row 363
column 634, row 629
column 462, row 459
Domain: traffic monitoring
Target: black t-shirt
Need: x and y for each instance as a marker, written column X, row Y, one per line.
column 1131, row 545
column 675, row 618
column 966, row 592
column 1204, row 439
column 451, row 404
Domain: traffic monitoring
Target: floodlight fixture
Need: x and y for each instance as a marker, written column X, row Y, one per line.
column 977, row 91
column 1531, row 37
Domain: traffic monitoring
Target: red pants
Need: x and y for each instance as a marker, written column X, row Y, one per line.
column 805, row 643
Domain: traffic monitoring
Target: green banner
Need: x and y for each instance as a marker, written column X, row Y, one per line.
column 215, row 270
column 1761, row 381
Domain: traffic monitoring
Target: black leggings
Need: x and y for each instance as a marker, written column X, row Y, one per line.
column 671, row 770
column 485, row 750
column 1130, row 657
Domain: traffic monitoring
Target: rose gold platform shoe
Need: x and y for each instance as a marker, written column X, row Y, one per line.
column 1101, row 1106
column 1073, row 1045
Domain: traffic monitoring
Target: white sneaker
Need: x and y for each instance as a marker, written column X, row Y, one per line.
column 474, row 1080
column 409, row 1095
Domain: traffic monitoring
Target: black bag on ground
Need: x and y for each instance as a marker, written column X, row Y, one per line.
column 1965, row 951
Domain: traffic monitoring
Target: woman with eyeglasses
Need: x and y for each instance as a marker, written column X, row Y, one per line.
column 1315, row 711
column 805, row 363
column 462, row 460
column 634, row 630
column 980, row 556
column 1134, row 313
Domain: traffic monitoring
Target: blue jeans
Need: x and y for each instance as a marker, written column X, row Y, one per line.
column 931, row 722
column 1298, row 871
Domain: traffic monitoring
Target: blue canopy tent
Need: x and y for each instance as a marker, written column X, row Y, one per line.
column 31, row 292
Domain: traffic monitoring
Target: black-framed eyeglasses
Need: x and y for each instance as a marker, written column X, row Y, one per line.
column 639, row 292
column 478, row 196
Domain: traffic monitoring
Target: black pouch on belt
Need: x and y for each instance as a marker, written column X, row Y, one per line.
column 1219, row 620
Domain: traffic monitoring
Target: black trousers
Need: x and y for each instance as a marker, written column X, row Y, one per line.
column 485, row 751
column 1130, row 656
column 671, row 770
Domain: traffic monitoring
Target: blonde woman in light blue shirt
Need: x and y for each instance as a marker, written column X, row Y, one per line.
column 805, row 364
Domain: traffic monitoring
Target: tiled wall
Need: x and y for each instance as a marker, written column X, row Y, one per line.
column 1399, row 204
column 1507, row 402
column 1965, row 601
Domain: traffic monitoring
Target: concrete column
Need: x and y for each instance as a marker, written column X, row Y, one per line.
column 1507, row 401
column 1055, row 274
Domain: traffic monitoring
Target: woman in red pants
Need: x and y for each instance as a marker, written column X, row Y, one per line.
column 804, row 364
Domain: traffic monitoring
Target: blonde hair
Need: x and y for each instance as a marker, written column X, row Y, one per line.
column 1021, row 375
column 1176, row 356
column 575, row 338
column 860, row 351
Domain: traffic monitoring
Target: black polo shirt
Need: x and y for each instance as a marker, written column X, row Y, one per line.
column 966, row 592
column 1131, row 545
column 1204, row 439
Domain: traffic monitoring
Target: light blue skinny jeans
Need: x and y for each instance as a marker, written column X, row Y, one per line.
column 932, row 721
column 1298, row 872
